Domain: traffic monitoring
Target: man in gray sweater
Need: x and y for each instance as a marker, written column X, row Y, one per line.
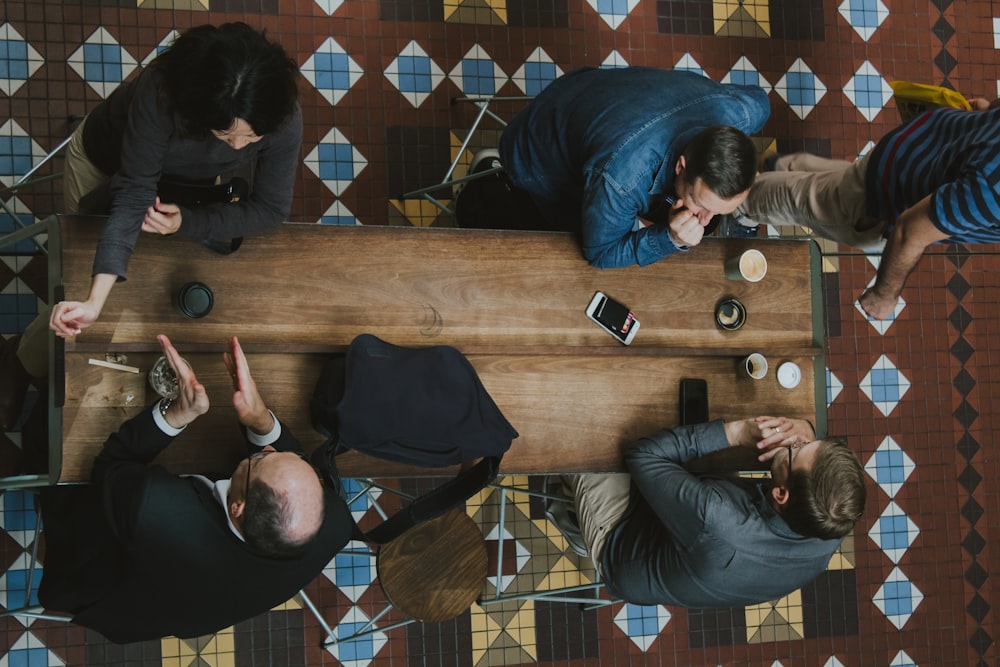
column 664, row 534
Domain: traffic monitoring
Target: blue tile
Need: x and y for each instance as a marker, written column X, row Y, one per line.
column 893, row 532
column 17, row 311
column 744, row 78
column 18, row 511
column 17, row 581
column 15, row 155
column 864, row 13
column 337, row 220
column 537, row 76
column 885, row 385
column 414, row 74
column 102, row 62
column 332, row 71
column 28, row 657
column 868, row 91
column 889, row 466
column 801, row 89
column 642, row 621
column 613, row 7
column 477, row 77
column 13, row 59
column 25, row 247
column 897, row 596
column 353, row 569
column 336, row 162
column 360, row 649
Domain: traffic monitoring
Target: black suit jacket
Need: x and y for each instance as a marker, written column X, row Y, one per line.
column 143, row 553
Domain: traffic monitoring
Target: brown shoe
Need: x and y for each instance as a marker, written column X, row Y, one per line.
column 14, row 380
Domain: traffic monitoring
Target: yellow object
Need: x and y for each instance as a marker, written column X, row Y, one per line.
column 912, row 99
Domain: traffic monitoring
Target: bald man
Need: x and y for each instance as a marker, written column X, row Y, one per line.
column 143, row 553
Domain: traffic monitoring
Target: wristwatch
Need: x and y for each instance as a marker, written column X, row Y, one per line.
column 164, row 405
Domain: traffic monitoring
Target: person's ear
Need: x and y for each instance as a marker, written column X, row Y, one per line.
column 236, row 511
column 680, row 166
column 780, row 494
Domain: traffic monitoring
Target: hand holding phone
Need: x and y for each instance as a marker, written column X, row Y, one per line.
column 613, row 317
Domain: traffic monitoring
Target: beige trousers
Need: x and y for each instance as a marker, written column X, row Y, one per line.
column 600, row 501
column 827, row 196
column 80, row 176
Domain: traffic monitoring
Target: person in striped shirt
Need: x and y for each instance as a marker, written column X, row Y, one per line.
column 935, row 179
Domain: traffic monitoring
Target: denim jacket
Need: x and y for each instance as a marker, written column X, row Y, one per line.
column 599, row 147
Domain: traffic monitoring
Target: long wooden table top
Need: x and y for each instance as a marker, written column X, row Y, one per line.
column 512, row 301
column 574, row 412
column 314, row 288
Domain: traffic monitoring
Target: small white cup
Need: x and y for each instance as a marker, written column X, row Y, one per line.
column 754, row 366
column 789, row 375
column 750, row 265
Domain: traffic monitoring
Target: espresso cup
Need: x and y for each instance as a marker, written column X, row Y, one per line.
column 754, row 366
column 750, row 265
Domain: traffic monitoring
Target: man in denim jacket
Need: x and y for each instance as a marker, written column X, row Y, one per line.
column 638, row 159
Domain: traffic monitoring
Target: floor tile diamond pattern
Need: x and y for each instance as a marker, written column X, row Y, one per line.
column 894, row 532
column 537, row 72
column 18, row 60
column 890, row 466
column 800, row 88
column 898, row 598
column 868, row 91
column 331, row 71
column 102, row 62
column 613, row 12
column 865, row 16
column 885, row 385
column 476, row 75
column 642, row 624
column 414, row 74
column 335, row 161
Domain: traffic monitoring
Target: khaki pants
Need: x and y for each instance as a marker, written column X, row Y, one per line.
column 827, row 196
column 600, row 501
column 33, row 350
column 80, row 176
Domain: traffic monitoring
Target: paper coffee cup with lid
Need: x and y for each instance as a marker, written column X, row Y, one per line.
column 789, row 375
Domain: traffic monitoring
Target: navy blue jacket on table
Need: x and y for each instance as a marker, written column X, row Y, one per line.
column 702, row 541
column 598, row 147
column 142, row 553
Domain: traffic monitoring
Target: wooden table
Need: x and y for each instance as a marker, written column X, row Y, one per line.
column 511, row 301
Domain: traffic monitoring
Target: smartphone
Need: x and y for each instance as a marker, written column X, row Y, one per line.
column 613, row 317
column 694, row 401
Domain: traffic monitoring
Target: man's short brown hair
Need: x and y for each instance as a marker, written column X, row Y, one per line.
column 827, row 500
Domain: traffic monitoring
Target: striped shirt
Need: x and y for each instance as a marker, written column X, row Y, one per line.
column 950, row 154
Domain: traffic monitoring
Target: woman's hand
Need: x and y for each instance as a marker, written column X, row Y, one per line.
column 162, row 218
column 70, row 317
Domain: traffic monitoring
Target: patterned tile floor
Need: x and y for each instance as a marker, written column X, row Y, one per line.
column 914, row 395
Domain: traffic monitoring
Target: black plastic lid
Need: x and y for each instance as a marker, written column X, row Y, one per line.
column 195, row 300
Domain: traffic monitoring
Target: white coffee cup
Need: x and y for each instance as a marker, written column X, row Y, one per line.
column 749, row 265
column 754, row 366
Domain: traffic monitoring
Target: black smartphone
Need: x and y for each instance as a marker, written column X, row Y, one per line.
column 694, row 401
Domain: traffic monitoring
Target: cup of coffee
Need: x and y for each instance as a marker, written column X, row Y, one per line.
column 754, row 366
column 749, row 265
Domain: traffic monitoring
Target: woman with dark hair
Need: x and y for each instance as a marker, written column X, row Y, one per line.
column 219, row 100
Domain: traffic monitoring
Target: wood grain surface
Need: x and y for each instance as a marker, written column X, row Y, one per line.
column 513, row 302
column 314, row 288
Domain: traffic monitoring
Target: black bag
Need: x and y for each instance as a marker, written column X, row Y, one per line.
column 492, row 202
column 419, row 406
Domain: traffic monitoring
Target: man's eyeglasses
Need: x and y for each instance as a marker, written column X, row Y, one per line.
column 257, row 456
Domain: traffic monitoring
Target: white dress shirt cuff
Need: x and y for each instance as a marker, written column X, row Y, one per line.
column 269, row 438
column 159, row 420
